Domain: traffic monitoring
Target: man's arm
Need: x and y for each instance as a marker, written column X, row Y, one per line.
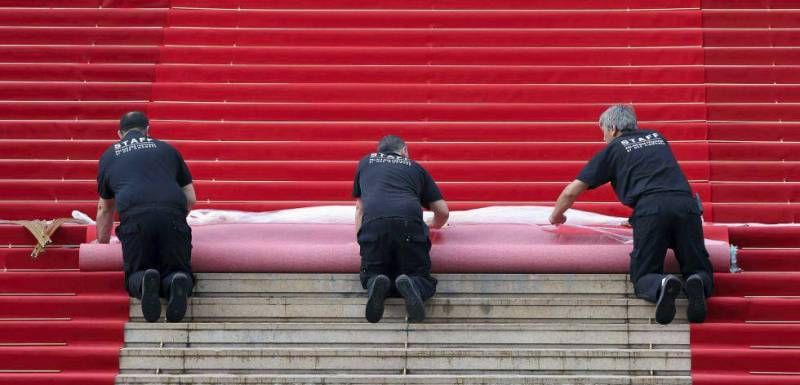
column 105, row 219
column 565, row 201
column 191, row 198
column 359, row 214
column 440, row 214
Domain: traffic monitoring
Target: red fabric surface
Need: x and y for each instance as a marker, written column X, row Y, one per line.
column 353, row 150
column 424, row 18
column 755, row 131
column 440, row 56
column 81, row 36
column 763, row 75
column 379, row 111
column 765, row 236
column 756, row 212
column 80, row 54
column 713, row 18
column 88, row 332
column 53, row 258
column 758, row 284
column 86, row 312
column 76, row 72
column 374, row 37
column 86, row 17
column 743, row 379
column 738, row 56
column 82, row 313
column 500, row 171
column 439, row 4
column 67, row 234
column 36, row 91
column 105, row 306
column 696, row 70
column 439, row 74
column 63, row 378
column 61, row 282
column 769, row 259
column 409, row 93
column 219, row 191
column 457, row 249
column 722, row 335
column 749, row 4
column 335, row 131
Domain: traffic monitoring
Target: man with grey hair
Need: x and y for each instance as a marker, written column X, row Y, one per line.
column 646, row 177
column 390, row 191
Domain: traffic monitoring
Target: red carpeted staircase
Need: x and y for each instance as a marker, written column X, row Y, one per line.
column 752, row 336
column 272, row 103
column 57, row 325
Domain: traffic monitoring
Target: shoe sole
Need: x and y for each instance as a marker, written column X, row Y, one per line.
column 695, row 291
column 380, row 288
column 178, row 297
column 414, row 306
column 665, row 309
column 151, row 303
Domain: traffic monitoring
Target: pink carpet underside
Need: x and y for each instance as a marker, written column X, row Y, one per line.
column 480, row 248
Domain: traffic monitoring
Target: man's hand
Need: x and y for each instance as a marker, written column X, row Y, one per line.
column 359, row 214
column 431, row 224
column 105, row 219
column 565, row 201
column 440, row 214
column 557, row 219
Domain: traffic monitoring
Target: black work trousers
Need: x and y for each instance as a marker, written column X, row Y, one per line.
column 154, row 239
column 395, row 246
column 661, row 222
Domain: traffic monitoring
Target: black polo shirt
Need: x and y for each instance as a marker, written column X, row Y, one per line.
column 143, row 173
column 636, row 163
column 391, row 185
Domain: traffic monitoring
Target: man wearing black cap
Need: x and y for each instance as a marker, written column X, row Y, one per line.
column 148, row 183
column 391, row 190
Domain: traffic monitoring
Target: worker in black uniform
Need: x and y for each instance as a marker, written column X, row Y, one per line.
column 646, row 177
column 148, row 183
column 391, row 190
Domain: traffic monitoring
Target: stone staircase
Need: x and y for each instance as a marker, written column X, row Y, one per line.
column 481, row 329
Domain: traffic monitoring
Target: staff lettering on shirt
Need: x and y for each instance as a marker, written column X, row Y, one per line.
column 648, row 140
column 125, row 146
column 388, row 158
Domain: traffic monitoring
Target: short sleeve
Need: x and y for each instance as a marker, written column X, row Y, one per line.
column 184, row 177
column 598, row 171
column 430, row 191
column 356, row 186
column 103, row 187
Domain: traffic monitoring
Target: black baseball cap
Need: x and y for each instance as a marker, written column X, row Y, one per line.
column 133, row 119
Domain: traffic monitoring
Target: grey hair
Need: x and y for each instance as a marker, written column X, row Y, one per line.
column 391, row 143
column 619, row 116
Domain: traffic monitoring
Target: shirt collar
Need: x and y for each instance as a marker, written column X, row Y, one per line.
column 133, row 134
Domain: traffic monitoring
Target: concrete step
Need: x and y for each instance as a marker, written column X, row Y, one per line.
column 439, row 309
column 405, row 361
column 398, row 335
column 450, row 285
column 351, row 379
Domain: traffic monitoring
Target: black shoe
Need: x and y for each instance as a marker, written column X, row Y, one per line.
column 414, row 305
column 378, row 290
column 179, row 290
column 696, row 292
column 151, row 302
column 665, row 307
